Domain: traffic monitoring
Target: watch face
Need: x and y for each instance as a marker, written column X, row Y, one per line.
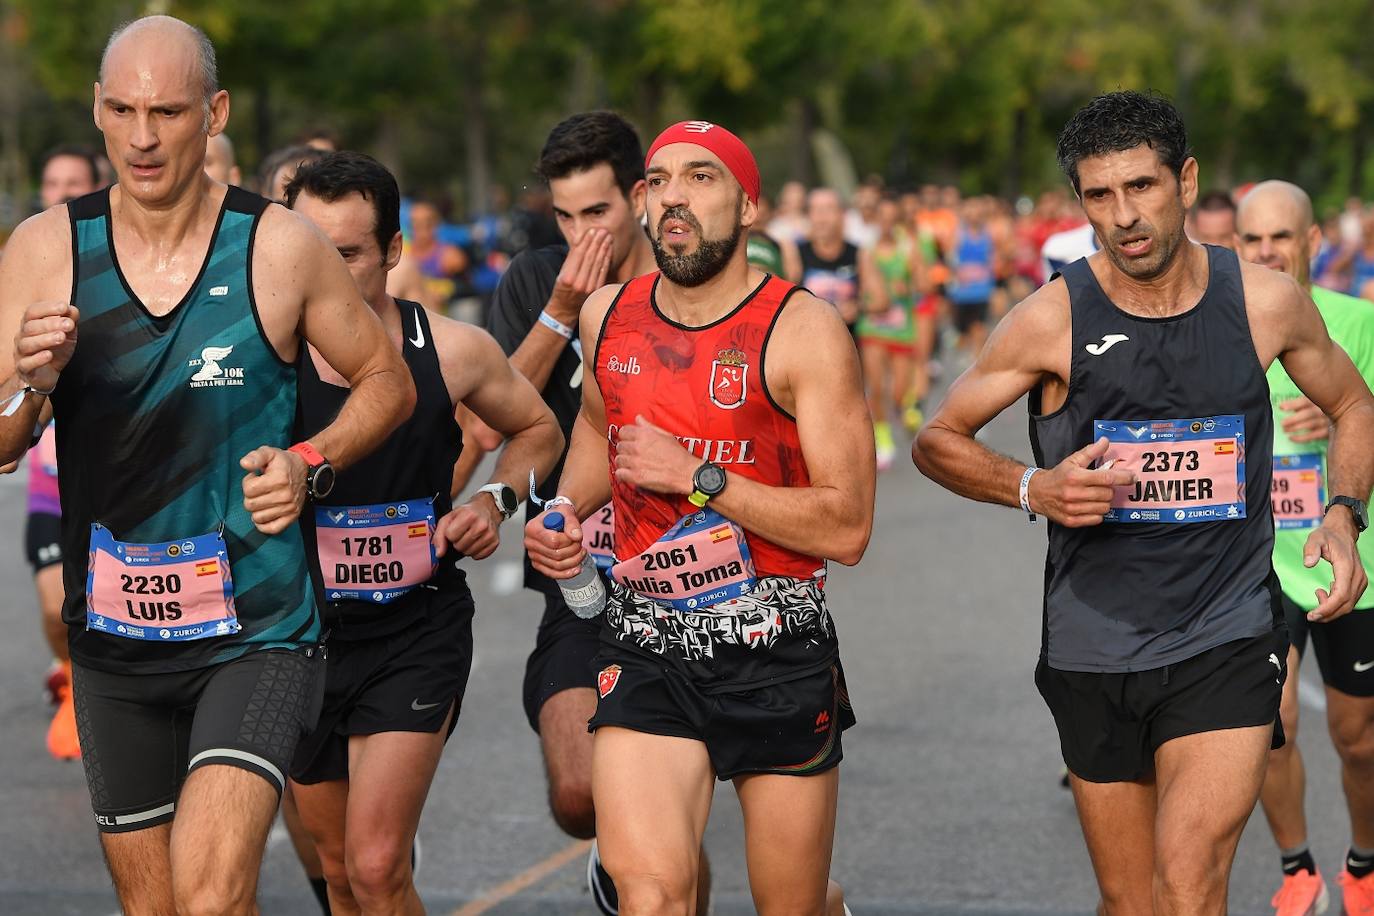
column 508, row 501
column 710, row 479
column 321, row 481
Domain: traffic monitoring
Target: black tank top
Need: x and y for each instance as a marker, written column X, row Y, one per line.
column 415, row 462
column 1184, row 569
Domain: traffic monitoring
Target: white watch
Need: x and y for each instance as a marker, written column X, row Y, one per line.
column 507, row 500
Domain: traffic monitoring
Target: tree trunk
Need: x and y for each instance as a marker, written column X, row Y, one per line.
column 1359, row 151
column 475, row 140
column 262, row 121
column 1012, row 175
column 805, row 121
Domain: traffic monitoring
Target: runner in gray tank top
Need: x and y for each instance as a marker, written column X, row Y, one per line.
column 1163, row 646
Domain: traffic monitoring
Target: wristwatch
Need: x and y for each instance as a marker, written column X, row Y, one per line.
column 319, row 473
column 1358, row 512
column 707, row 483
column 507, row 501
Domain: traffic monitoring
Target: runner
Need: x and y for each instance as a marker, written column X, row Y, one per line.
column 1214, row 222
column 219, row 160
column 1162, row 658
column 721, row 679
column 195, row 659
column 68, row 172
column 893, row 276
column 400, row 646
column 829, row 264
column 279, row 167
column 1276, row 229
column 973, row 261
column 593, row 165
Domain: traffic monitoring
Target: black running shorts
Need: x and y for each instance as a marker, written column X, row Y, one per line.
column 142, row 734
column 404, row 682
column 564, row 656
column 1344, row 648
column 791, row 727
column 1111, row 724
column 43, row 539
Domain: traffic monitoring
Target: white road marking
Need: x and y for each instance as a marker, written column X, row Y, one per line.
column 1311, row 696
column 507, row 577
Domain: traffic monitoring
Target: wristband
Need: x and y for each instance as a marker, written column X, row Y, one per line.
column 559, row 501
column 1025, row 491
column 553, row 324
column 12, row 405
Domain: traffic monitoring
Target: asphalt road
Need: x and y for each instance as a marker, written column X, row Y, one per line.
column 950, row 801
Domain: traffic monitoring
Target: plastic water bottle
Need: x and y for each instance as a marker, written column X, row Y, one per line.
column 585, row 593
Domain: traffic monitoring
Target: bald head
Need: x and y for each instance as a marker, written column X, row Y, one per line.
column 174, row 42
column 1268, row 195
column 1275, row 228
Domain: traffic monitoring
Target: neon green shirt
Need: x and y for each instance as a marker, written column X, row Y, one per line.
column 1350, row 322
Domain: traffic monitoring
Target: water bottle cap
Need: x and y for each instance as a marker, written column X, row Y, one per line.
column 554, row 521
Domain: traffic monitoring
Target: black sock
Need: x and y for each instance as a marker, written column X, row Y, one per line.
column 1359, row 862
column 321, row 890
column 1296, row 861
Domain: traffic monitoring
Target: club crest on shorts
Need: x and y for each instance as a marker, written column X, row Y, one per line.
column 729, row 379
column 607, row 679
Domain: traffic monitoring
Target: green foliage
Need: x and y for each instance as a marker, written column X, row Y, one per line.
column 450, row 91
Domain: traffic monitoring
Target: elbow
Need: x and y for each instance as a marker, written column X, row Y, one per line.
column 854, row 542
column 921, row 449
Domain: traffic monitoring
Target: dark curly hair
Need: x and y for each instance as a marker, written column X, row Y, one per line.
column 1119, row 121
column 586, row 140
column 336, row 175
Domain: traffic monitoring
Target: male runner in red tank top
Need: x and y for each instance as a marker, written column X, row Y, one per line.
column 740, row 459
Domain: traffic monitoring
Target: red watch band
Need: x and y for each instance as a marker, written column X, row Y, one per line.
column 307, row 451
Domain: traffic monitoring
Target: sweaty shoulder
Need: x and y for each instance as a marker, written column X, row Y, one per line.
column 804, row 315
column 595, row 308
column 1276, row 307
column 466, row 353
column 284, row 236
column 1041, row 319
column 38, row 256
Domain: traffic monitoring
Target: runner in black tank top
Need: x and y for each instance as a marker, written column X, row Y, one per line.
column 384, row 545
column 1163, row 645
column 193, row 619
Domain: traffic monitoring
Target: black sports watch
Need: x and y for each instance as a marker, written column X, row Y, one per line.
column 319, row 473
column 707, row 483
column 507, row 500
column 1357, row 508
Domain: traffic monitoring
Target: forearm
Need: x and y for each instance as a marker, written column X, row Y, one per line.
column 535, row 448
column 822, row 521
column 963, row 465
column 378, row 403
column 1350, row 459
column 586, row 476
column 537, row 354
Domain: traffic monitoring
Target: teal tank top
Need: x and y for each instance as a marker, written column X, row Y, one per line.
column 157, row 413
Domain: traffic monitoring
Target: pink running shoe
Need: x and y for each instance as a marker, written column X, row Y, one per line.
column 1302, row 894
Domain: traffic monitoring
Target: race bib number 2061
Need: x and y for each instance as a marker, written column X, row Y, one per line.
column 1189, row 470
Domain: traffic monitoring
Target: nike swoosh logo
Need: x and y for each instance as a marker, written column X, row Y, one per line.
column 416, row 705
column 1362, row 667
column 1111, row 340
column 418, row 341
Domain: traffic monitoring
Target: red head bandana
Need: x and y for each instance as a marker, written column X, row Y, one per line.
column 728, row 148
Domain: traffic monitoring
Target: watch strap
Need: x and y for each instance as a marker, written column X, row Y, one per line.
column 312, row 455
column 497, row 490
column 698, row 499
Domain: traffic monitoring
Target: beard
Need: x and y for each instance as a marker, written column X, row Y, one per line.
column 701, row 265
column 1166, row 245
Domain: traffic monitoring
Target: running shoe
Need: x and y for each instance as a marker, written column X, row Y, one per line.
column 913, row 417
column 55, row 680
column 1302, row 894
column 885, row 446
column 1357, row 894
column 599, row 883
column 62, row 739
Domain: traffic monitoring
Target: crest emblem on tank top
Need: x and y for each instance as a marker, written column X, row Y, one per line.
column 729, row 379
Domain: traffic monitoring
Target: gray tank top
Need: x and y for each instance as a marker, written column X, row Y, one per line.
column 1183, row 563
